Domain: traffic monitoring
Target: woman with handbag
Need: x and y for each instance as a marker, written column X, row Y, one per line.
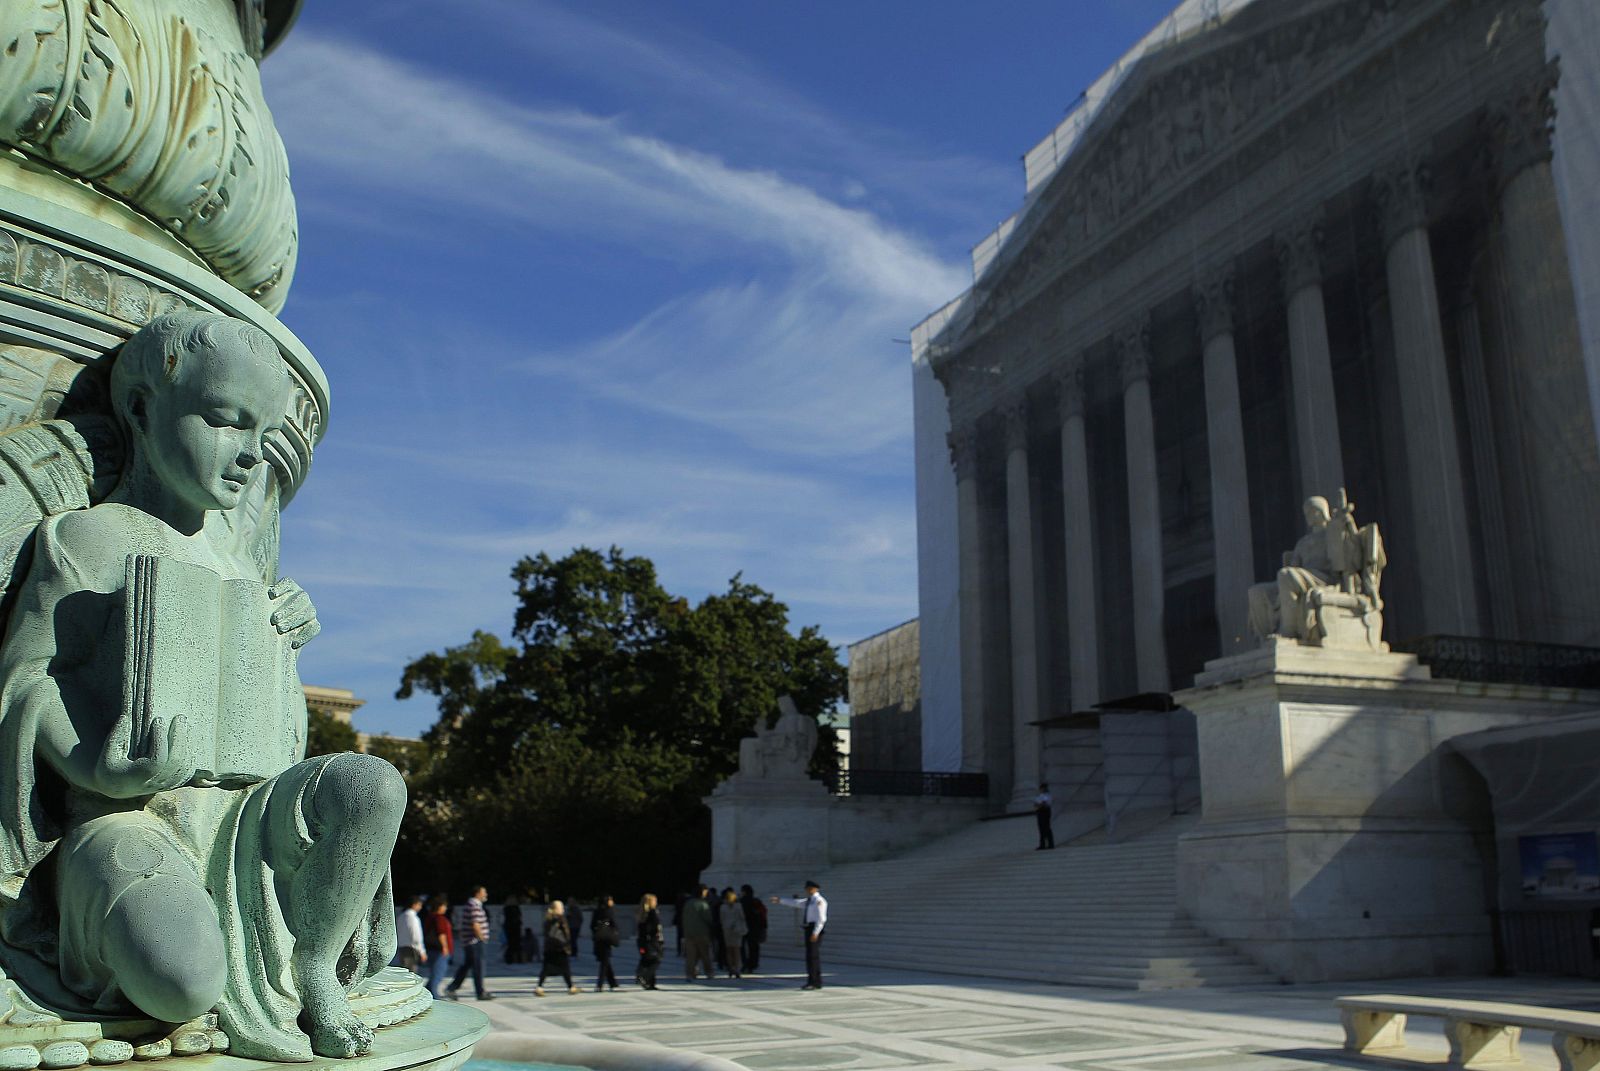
column 650, row 941
column 557, row 948
column 603, row 927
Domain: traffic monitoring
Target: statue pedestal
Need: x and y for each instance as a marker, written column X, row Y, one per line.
column 1340, row 838
column 770, row 833
column 440, row 1040
column 412, row 1031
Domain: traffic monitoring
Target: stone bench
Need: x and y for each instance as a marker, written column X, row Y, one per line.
column 1481, row 1033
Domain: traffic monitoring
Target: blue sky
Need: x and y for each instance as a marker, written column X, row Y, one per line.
column 633, row 273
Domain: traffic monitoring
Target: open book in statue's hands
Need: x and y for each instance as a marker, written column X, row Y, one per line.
column 204, row 672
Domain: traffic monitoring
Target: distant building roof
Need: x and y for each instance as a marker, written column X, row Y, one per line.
column 340, row 702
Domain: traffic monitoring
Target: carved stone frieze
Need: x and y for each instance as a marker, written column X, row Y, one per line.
column 1133, row 351
column 1520, row 124
column 1400, row 190
column 1184, row 117
column 160, row 105
column 1299, row 251
column 1213, row 301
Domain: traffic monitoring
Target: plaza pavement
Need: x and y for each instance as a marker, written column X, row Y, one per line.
column 891, row 1020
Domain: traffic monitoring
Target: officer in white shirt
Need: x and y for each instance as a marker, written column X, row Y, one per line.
column 1043, row 804
column 816, row 917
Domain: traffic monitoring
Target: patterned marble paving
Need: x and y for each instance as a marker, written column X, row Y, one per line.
column 898, row 1021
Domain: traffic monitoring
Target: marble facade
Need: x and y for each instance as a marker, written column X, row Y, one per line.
column 1289, row 248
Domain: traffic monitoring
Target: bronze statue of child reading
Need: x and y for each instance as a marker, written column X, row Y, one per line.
column 166, row 849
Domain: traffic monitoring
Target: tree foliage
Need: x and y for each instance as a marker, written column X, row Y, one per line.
column 575, row 757
column 326, row 734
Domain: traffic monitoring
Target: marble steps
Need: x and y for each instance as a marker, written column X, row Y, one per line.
column 1152, row 943
column 1040, row 953
column 1057, row 970
column 1102, row 914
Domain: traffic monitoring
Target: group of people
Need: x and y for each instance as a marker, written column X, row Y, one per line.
column 720, row 931
column 727, row 931
column 715, row 932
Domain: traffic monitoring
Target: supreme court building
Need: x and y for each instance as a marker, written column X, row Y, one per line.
column 1284, row 247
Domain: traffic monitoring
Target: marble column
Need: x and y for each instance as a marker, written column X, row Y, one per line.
column 1439, row 548
column 1230, row 483
column 1548, row 381
column 1024, row 609
column 1144, row 509
column 1083, row 615
column 1316, row 412
column 964, row 455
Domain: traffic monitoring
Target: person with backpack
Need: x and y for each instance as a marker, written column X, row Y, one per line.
column 603, row 928
column 755, row 919
column 557, row 949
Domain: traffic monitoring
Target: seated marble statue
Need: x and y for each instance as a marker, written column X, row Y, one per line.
column 1327, row 593
column 166, row 849
column 783, row 751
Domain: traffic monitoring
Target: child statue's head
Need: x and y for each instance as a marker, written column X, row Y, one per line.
column 198, row 393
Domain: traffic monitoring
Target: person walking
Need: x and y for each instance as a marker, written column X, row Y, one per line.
column 472, row 937
column 651, row 943
column 511, row 922
column 815, row 918
column 755, row 920
column 734, row 929
column 697, row 935
column 603, row 928
column 677, row 922
column 1042, row 805
column 574, row 924
column 409, row 950
column 438, row 940
column 557, row 948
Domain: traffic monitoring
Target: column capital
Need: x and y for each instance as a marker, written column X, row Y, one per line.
column 1213, row 301
column 1133, row 351
column 1299, row 250
column 1069, row 388
column 1400, row 189
column 1014, row 411
column 963, row 443
column 1520, row 124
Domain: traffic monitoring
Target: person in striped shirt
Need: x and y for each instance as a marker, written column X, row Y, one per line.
column 472, row 938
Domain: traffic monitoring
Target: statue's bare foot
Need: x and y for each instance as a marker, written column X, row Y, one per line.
column 335, row 1030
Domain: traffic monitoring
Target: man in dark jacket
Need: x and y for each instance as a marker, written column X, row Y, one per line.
column 697, row 935
column 755, row 920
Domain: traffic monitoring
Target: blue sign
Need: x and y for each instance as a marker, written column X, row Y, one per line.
column 1560, row 865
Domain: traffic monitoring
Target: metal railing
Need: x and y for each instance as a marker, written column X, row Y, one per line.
column 1475, row 658
column 912, row 783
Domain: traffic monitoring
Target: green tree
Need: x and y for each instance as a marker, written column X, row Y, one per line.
column 326, row 734
column 410, row 757
column 576, row 756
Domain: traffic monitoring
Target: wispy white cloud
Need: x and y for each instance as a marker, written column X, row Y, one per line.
column 756, row 419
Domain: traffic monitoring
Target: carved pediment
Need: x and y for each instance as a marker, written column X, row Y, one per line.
column 1179, row 111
